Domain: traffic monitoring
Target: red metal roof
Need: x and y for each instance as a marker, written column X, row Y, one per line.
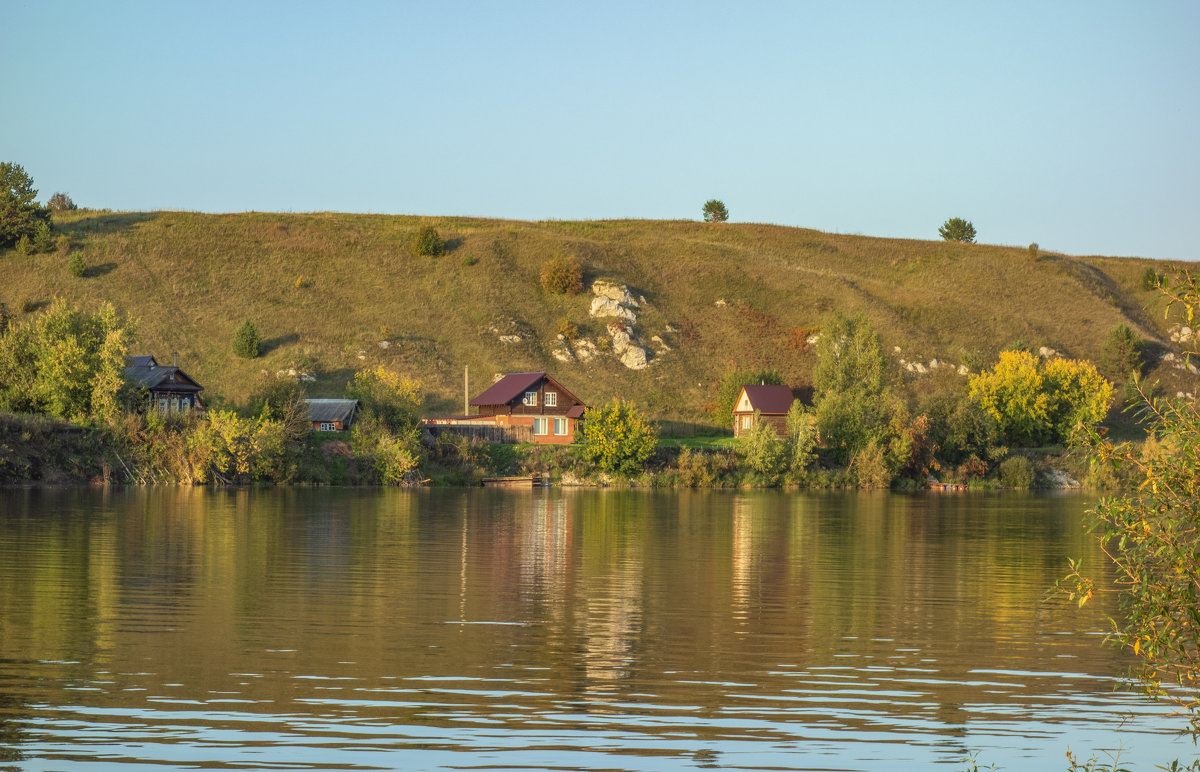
column 508, row 388
column 768, row 400
column 576, row 411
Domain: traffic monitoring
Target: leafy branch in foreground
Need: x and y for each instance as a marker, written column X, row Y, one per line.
column 1153, row 537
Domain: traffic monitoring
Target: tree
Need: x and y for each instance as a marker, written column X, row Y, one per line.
column 1153, row 538
column 65, row 363
column 61, row 202
column 247, row 341
column 20, row 214
column 849, row 385
column 387, row 430
column 957, row 229
column 1036, row 402
column 562, row 275
column 803, row 437
column 1122, row 352
column 617, row 438
column 715, row 211
column 428, row 242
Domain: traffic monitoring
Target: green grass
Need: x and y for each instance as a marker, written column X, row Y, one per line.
column 190, row 279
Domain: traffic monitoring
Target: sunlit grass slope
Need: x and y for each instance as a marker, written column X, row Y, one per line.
column 326, row 289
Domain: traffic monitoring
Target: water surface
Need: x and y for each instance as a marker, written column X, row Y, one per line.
column 365, row 629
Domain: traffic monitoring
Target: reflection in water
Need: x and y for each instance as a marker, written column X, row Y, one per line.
column 573, row 630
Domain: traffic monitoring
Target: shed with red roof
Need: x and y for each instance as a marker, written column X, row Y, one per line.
column 770, row 403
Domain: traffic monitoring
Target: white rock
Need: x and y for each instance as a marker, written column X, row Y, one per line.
column 603, row 305
column 362, row 355
column 670, row 328
column 660, row 343
column 920, row 368
column 1168, row 357
column 511, row 338
column 934, row 364
column 385, row 344
column 895, row 349
column 720, row 303
column 585, row 350
column 634, row 357
column 1045, row 352
column 307, row 378
column 563, row 354
column 613, row 291
column 963, row 370
column 620, row 340
column 813, row 339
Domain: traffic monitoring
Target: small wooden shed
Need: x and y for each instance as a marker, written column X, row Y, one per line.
column 331, row 415
column 770, row 402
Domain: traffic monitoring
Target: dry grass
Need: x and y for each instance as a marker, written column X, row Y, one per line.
column 191, row 279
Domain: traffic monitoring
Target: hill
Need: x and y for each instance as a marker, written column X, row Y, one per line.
column 331, row 293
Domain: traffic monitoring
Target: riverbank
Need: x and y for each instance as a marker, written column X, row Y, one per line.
column 40, row 451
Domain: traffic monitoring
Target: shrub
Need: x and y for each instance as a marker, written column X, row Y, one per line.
column 5, row 318
column 28, row 305
column 705, row 468
column 1150, row 279
column 61, row 202
column 428, row 242
column 247, row 341
column 1035, row 402
column 870, row 467
column 24, row 246
column 43, row 238
column 617, row 438
column 957, row 229
column 568, row 329
column 469, row 260
column 1122, row 353
column 763, row 450
column 302, row 282
column 715, row 211
column 76, row 265
column 803, row 437
column 1033, row 251
column 562, row 275
column 1016, row 472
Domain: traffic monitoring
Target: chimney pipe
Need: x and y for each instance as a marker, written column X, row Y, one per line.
column 466, row 390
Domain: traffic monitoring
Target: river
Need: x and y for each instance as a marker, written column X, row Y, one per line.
column 184, row 628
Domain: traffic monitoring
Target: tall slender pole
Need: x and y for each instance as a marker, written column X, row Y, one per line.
column 466, row 389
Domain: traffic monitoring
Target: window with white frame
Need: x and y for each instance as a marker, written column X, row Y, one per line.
column 552, row 399
column 539, row 425
column 530, row 399
column 560, row 426
column 328, row 426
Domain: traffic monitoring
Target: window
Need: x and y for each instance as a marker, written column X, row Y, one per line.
column 327, row 426
column 186, row 404
column 162, row 404
column 539, row 426
column 746, row 421
column 552, row 399
column 530, row 399
column 174, row 404
column 560, row 426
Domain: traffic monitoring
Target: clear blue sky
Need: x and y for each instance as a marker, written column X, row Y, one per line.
column 1073, row 124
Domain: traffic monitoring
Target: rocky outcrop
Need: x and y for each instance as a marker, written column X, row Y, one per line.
column 627, row 348
column 1181, row 333
column 603, row 306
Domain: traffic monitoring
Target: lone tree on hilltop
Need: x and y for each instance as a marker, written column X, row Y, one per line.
column 246, row 341
column 958, row 229
column 20, row 214
column 61, row 202
column 428, row 242
column 715, row 211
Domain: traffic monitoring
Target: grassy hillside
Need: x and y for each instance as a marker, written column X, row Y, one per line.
column 322, row 288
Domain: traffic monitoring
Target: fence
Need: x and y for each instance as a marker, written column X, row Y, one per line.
column 507, row 435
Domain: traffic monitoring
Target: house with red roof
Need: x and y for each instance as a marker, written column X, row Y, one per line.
column 535, row 401
column 769, row 403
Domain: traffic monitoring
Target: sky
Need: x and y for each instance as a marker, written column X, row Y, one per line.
column 1075, row 125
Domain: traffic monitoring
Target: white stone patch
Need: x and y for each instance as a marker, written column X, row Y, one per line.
column 1056, row 478
column 604, row 306
column 585, row 350
column 720, row 303
column 385, row 344
column 660, row 344
column 618, row 292
column 1046, row 352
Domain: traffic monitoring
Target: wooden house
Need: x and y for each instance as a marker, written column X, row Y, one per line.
column 770, row 403
column 168, row 389
column 331, row 415
column 527, row 402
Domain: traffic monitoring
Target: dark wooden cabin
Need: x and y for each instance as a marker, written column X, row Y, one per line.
column 169, row 389
column 535, row 400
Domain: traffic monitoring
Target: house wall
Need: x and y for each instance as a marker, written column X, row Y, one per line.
column 778, row 422
column 541, row 439
column 316, row 425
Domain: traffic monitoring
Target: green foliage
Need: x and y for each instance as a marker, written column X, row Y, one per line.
column 5, row 318
column 281, row 400
column 849, row 385
column 1034, row 251
column 803, row 437
column 1151, row 280
column 1122, row 354
column 65, row 363
column 715, row 211
column 957, row 229
column 1153, row 537
column 562, row 275
column 225, row 447
column 617, row 438
column 869, row 466
column 61, row 202
column 731, row 386
column 705, row 468
column 1035, row 402
column 20, row 214
column 76, row 265
column 246, row 340
column 43, row 237
column 428, row 242
column 387, row 398
column 1017, row 472
column 763, row 451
